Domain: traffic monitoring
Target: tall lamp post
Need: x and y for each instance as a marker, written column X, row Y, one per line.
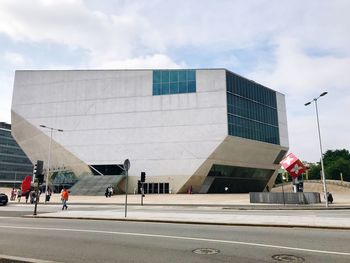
column 49, row 157
column 319, row 137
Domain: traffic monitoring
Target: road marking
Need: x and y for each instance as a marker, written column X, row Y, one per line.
column 29, row 260
column 182, row 238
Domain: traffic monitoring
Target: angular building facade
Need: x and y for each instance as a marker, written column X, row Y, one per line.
column 206, row 129
column 14, row 164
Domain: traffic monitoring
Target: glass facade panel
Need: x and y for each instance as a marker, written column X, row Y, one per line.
column 156, row 77
column 174, row 88
column 174, row 81
column 156, row 89
column 165, row 76
column 182, row 75
column 191, row 86
column 174, row 76
column 165, row 88
column 182, row 87
column 234, row 179
column 14, row 164
column 251, row 110
column 191, row 75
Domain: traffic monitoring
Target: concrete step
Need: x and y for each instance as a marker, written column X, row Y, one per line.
column 95, row 185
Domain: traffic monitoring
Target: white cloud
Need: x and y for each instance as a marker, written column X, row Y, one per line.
column 14, row 59
column 66, row 22
column 307, row 47
column 303, row 77
column 144, row 62
column 298, row 74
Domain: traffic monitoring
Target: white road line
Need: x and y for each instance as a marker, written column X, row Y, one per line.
column 183, row 238
column 29, row 260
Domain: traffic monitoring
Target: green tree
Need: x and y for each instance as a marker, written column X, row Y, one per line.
column 331, row 156
column 314, row 172
column 334, row 169
column 335, row 162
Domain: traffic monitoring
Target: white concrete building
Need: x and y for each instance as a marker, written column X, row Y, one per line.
column 206, row 128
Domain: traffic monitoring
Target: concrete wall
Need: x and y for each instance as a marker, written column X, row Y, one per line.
column 110, row 115
column 282, row 120
column 235, row 151
column 285, row 198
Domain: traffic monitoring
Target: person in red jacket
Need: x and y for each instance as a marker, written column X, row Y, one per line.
column 64, row 198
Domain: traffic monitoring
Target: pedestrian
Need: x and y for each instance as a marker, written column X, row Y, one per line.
column 329, row 197
column 19, row 195
column 190, row 189
column 13, row 194
column 48, row 195
column 64, row 198
column 32, row 196
column 110, row 191
column 27, row 196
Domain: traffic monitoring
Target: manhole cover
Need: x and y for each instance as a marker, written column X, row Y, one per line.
column 288, row 258
column 206, row 251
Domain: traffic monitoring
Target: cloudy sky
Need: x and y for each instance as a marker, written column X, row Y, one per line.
column 300, row 48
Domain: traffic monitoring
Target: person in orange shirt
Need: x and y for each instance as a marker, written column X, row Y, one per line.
column 64, row 198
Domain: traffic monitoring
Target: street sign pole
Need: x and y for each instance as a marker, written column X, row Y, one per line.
column 142, row 193
column 126, row 169
column 36, row 187
column 284, row 201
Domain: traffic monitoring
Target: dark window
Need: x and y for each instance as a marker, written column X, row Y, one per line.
column 153, row 188
column 234, row 179
column 156, row 89
column 174, row 81
column 156, row 76
column 251, row 110
column 107, row 169
column 174, row 76
column 174, row 87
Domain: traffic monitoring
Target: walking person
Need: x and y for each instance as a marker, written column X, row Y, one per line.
column 64, row 198
column 13, row 194
column 27, row 196
column 19, row 195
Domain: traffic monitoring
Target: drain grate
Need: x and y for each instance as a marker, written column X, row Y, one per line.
column 288, row 258
column 206, row 251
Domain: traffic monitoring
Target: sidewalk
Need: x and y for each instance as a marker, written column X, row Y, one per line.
column 341, row 200
column 216, row 209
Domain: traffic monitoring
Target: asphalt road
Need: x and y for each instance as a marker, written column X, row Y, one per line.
column 65, row 240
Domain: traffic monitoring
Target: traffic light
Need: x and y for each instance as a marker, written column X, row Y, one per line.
column 38, row 171
column 143, row 177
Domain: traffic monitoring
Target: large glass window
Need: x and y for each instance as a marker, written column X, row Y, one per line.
column 174, row 81
column 251, row 110
column 14, row 164
column 234, row 179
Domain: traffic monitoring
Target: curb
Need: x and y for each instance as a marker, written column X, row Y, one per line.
column 190, row 222
column 222, row 206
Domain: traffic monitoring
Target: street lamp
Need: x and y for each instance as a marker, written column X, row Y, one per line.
column 319, row 137
column 48, row 159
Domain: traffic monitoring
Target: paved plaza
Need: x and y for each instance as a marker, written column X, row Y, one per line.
column 224, row 209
